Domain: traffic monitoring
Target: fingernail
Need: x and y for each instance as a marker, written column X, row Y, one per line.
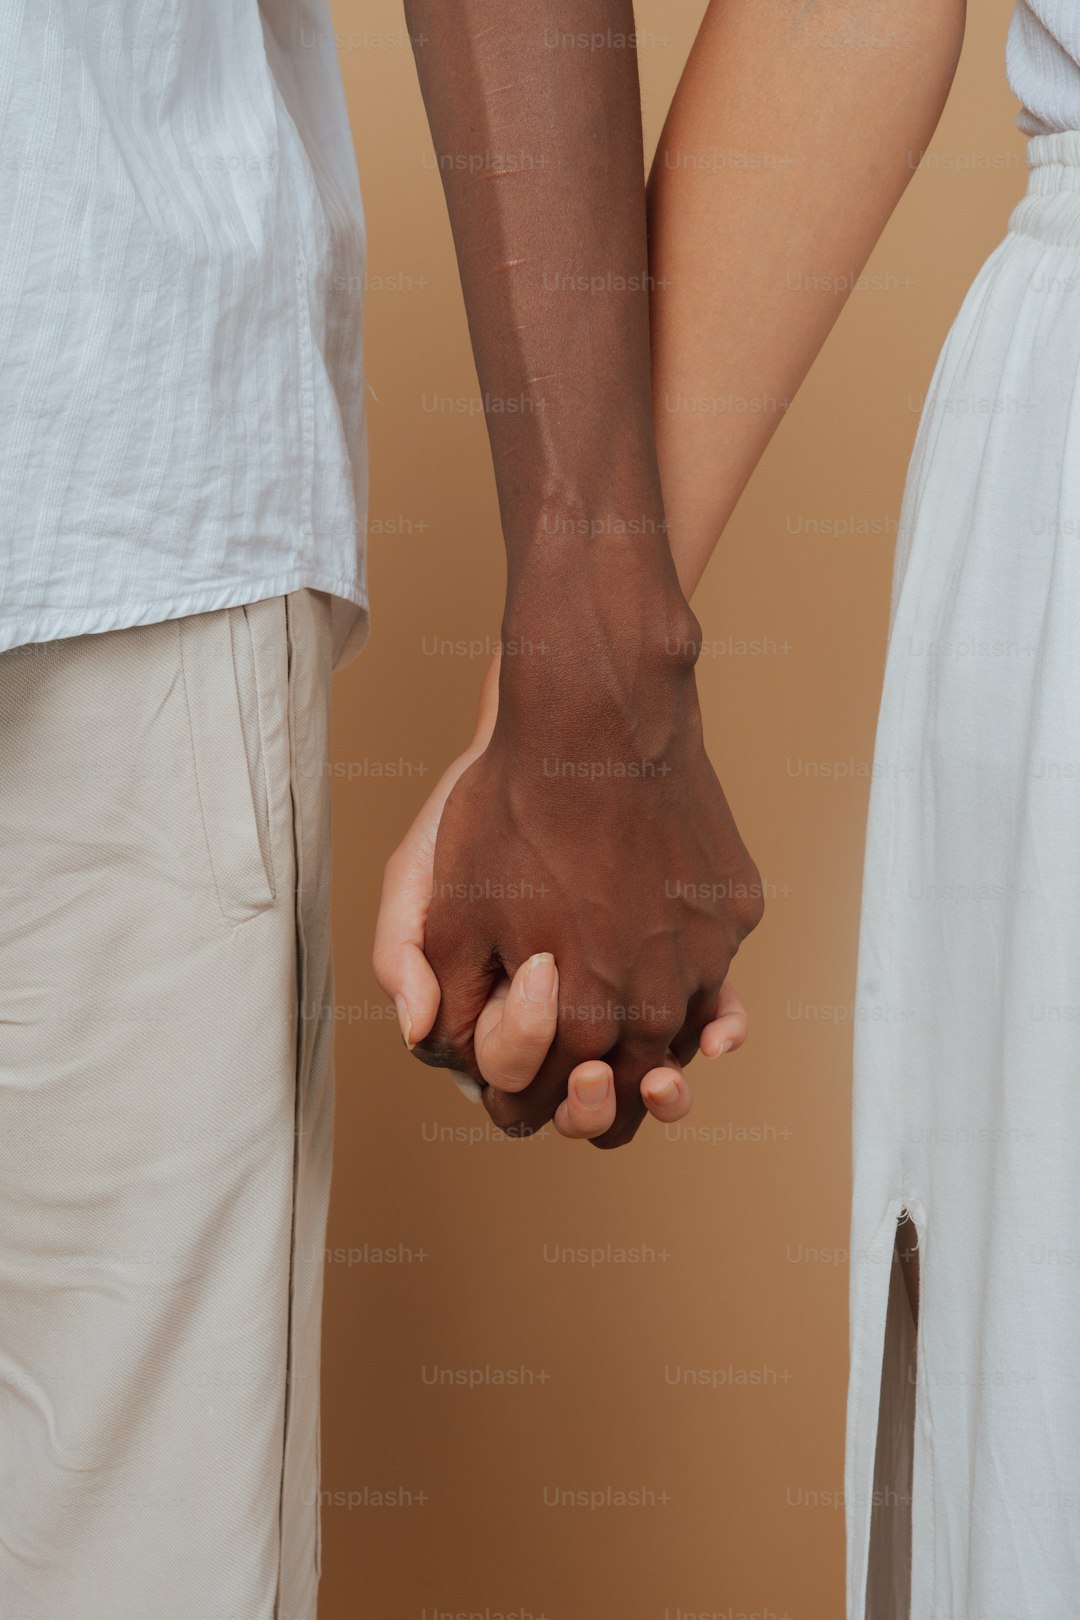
column 468, row 1087
column 404, row 1020
column 540, row 977
column 725, row 1046
column 592, row 1089
column 660, row 1089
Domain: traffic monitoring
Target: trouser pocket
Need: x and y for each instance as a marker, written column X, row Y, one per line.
column 220, row 675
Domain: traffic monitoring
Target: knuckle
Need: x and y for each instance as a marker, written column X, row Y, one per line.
column 580, row 1041
column 657, row 1023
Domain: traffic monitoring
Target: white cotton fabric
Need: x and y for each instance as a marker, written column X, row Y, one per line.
column 1043, row 63
column 967, row 1060
column 181, row 273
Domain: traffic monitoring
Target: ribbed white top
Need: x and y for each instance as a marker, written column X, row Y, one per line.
column 1043, row 64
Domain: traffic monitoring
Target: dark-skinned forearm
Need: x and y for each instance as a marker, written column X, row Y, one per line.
column 535, row 116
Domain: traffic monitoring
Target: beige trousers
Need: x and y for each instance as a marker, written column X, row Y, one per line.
column 165, row 1116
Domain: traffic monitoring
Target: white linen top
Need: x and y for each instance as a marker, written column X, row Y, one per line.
column 181, row 276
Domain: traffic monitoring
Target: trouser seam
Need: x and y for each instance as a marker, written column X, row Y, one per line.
column 298, row 1071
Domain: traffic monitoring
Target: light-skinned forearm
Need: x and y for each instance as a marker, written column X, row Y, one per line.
column 792, row 136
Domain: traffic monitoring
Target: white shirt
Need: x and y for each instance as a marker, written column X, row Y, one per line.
column 181, row 277
column 1043, row 61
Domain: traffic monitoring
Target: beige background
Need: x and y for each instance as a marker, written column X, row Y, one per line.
column 709, row 1374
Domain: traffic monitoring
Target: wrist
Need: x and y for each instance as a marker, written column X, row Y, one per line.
column 610, row 677
column 610, row 606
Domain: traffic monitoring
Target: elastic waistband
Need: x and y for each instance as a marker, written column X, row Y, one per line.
column 1050, row 210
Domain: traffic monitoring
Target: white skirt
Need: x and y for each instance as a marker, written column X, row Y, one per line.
column 967, row 1051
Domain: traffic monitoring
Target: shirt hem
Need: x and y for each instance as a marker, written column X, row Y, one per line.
column 20, row 629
